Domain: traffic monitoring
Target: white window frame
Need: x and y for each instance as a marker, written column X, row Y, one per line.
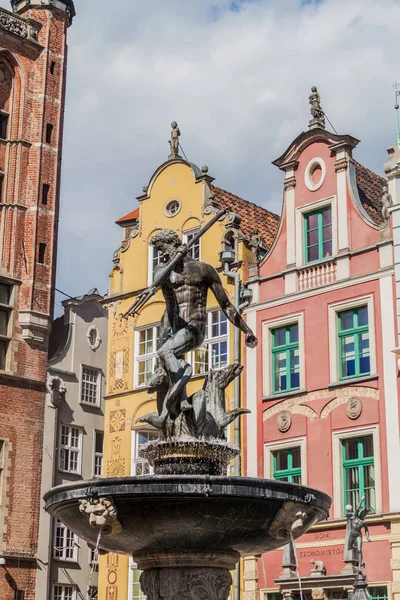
column 135, row 459
column 77, row 449
column 64, row 548
column 98, row 386
column 269, row 450
column 93, row 560
column 333, row 310
column 150, row 266
column 10, row 326
column 338, row 484
column 97, row 454
column 185, row 237
column 301, row 211
column 141, row 358
column 267, row 327
column 132, row 567
column 63, row 587
column 209, row 341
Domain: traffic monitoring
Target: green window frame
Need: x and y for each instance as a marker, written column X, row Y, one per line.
column 287, row 464
column 285, row 359
column 318, row 235
column 379, row 592
column 358, row 465
column 354, row 346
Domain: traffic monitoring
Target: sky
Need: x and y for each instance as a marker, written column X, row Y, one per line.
column 235, row 75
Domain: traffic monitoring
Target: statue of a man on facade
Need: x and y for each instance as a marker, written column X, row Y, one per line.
column 387, row 202
column 358, row 523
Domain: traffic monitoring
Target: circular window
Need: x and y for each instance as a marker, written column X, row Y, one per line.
column 172, row 208
column 93, row 337
column 314, row 174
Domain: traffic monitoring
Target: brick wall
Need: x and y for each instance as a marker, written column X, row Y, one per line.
column 33, row 94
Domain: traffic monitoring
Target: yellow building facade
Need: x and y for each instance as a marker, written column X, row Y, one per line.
column 182, row 197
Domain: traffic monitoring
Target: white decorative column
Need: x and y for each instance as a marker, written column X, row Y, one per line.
column 250, row 578
column 392, row 170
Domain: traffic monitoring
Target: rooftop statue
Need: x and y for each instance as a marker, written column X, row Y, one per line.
column 185, row 283
column 318, row 115
column 174, row 141
column 387, row 203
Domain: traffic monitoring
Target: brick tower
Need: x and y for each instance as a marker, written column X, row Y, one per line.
column 33, row 55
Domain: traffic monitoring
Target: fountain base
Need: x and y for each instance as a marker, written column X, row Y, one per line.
column 188, row 456
column 189, row 576
column 199, row 583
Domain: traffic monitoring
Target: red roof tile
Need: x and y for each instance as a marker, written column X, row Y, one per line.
column 253, row 216
column 132, row 216
column 370, row 186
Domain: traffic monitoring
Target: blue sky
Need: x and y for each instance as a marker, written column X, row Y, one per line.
column 236, row 75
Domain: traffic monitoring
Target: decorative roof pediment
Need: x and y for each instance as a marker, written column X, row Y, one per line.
column 306, row 138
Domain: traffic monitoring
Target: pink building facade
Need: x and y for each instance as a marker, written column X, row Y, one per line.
column 323, row 383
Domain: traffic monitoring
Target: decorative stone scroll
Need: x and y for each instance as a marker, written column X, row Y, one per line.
column 24, row 28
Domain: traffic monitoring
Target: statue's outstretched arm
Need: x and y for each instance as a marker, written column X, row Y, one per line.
column 227, row 307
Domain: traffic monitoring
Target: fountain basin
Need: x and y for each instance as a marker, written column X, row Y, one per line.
column 182, row 516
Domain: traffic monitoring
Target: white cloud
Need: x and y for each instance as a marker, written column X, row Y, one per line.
column 236, row 82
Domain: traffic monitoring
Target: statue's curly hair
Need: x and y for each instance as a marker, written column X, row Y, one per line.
column 168, row 236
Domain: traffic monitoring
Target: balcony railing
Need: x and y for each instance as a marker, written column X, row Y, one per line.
column 315, row 275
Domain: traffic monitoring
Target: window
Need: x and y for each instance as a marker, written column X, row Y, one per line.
column 65, row 543
column 5, row 322
column 172, row 208
column 98, row 453
column 318, row 234
column 285, row 358
column 49, row 133
column 70, row 449
column 140, row 466
column 2, row 466
column 194, row 251
column 93, row 557
column 1, row 186
column 45, row 193
column 64, row 592
column 90, row 385
column 93, row 593
column 287, row 464
column 4, row 116
column 135, row 591
column 354, row 352
column 358, row 471
column 147, row 341
column 378, row 593
column 213, row 353
column 52, row 67
column 42, row 252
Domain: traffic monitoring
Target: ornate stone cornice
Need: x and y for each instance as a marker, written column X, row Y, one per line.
column 341, row 165
column 27, row 29
column 289, row 183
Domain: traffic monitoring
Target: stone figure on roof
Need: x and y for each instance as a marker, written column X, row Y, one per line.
column 316, row 108
column 174, row 142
